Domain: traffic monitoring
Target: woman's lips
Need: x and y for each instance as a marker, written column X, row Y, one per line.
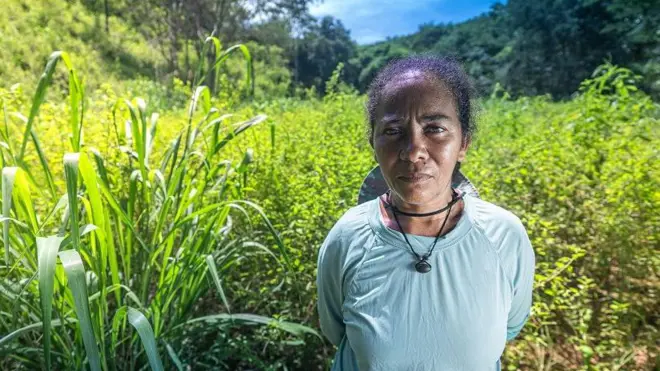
column 415, row 178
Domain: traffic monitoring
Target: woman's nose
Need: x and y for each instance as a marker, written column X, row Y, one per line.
column 415, row 148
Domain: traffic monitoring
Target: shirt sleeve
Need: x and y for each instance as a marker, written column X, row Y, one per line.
column 523, row 284
column 329, row 286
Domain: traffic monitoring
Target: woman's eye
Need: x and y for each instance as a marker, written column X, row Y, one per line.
column 435, row 129
column 391, row 131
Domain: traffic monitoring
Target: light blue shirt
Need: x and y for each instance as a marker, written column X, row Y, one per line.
column 384, row 315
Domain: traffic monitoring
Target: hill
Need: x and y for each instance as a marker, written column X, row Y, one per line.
column 534, row 48
column 31, row 29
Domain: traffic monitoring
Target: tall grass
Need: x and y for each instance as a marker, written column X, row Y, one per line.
column 142, row 247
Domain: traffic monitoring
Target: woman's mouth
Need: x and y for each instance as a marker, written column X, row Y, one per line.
column 415, row 178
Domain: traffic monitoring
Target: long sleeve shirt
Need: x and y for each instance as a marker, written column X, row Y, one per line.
column 384, row 315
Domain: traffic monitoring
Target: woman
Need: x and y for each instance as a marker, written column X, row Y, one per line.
column 424, row 277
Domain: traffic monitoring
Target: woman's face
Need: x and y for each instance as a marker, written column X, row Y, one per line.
column 417, row 139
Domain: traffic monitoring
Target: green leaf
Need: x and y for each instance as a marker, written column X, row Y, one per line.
column 75, row 273
column 292, row 328
column 216, row 279
column 8, row 176
column 11, row 336
column 39, row 96
column 201, row 93
column 174, row 357
column 141, row 324
column 47, row 249
column 71, row 173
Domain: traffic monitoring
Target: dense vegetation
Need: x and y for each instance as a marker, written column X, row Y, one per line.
column 158, row 215
column 538, row 47
column 582, row 175
column 529, row 48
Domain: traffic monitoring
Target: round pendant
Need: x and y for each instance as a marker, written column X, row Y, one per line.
column 423, row 266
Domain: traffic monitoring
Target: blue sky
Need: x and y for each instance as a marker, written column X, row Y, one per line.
column 375, row 20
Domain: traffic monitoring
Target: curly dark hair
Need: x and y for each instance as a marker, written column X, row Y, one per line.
column 445, row 69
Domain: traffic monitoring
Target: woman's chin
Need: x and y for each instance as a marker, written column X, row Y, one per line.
column 417, row 193
column 414, row 194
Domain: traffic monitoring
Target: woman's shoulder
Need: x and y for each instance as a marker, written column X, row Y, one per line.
column 349, row 238
column 507, row 236
column 488, row 215
column 501, row 227
column 352, row 220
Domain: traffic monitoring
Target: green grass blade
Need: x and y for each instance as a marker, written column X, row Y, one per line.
column 47, row 249
column 203, row 94
column 249, row 76
column 22, row 200
column 71, row 161
column 216, row 279
column 142, row 151
column 117, row 320
column 8, row 176
column 151, row 134
column 141, row 324
column 76, row 104
column 87, row 228
column 75, row 273
column 218, row 49
column 39, row 97
column 44, row 162
column 42, row 157
column 174, row 357
column 241, row 128
column 272, row 230
column 17, row 222
column 98, row 211
column 5, row 135
column 218, row 52
column 114, row 205
column 197, row 79
column 115, row 288
column 254, row 319
column 136, row 128
column 11, row 336
column 37, row 101
column 60, row 204
column 100, row 166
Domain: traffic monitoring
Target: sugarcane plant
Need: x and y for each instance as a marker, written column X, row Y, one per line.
column 109, row 275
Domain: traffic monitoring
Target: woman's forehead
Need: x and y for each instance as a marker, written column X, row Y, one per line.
column 415, row 88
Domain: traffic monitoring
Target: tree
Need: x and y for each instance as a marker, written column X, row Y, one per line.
column 323, row 46
column 177, row 25
column 558, row 43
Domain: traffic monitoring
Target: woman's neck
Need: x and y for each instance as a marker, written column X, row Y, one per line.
column 421, row 226
column 439, row 205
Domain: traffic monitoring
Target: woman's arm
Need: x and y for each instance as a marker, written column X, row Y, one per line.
column 523, row 284
column 329, row 286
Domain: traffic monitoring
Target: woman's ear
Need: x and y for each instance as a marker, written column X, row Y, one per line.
column 371, row 143
column 464, row 147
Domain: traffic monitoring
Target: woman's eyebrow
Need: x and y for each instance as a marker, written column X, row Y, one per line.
column 435, row 116
column 390, row 119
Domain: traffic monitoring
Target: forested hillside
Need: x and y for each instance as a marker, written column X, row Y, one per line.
column 528, row 48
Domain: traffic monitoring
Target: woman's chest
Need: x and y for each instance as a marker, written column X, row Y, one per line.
column 453, row 317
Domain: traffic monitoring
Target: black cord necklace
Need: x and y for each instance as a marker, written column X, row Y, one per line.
column 422, row 265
